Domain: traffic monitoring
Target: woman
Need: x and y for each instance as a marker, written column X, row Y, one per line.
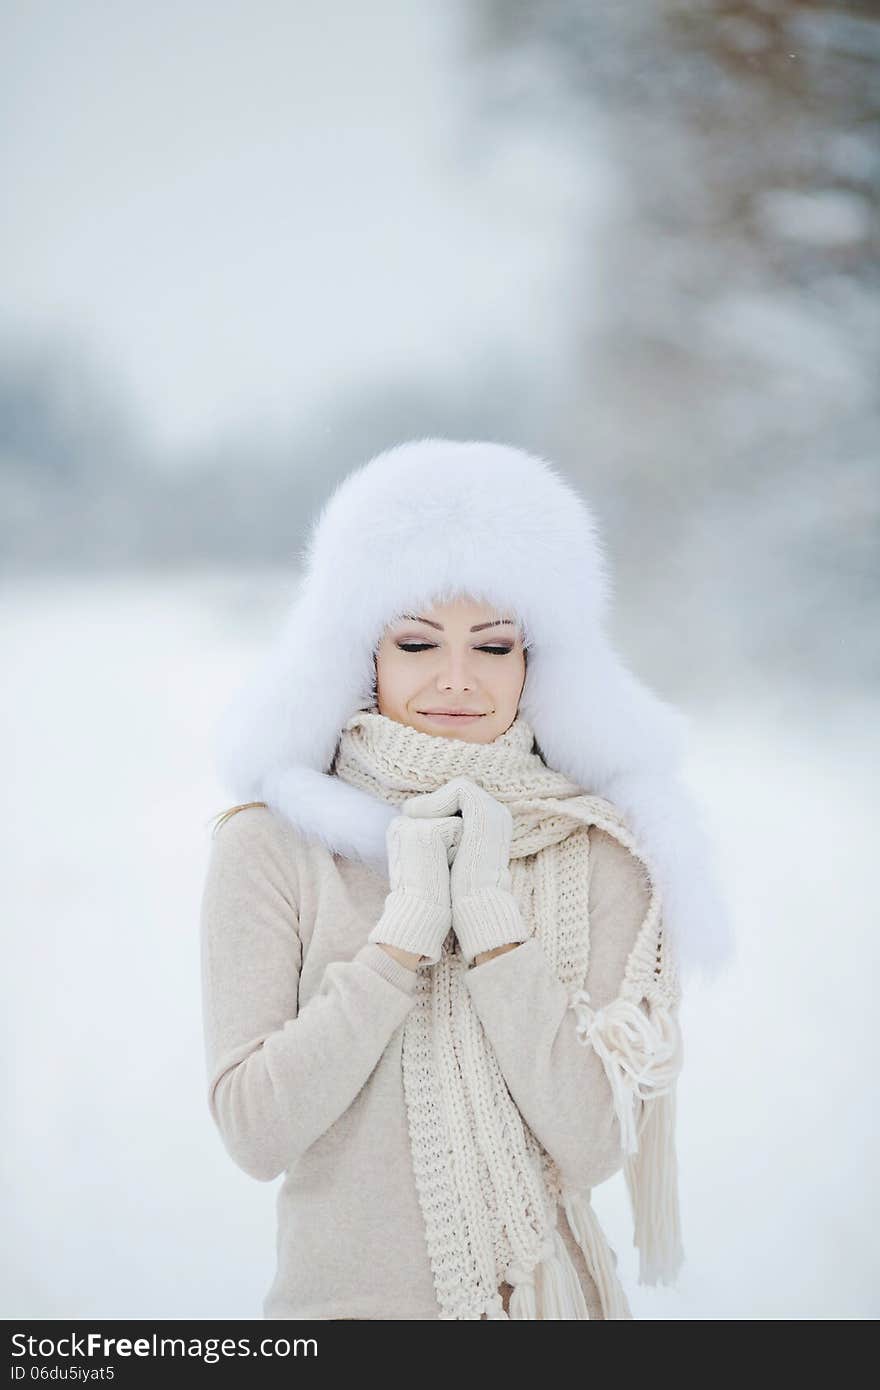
column 443, row 935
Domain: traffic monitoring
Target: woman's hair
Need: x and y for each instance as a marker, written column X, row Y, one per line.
column 223, row 816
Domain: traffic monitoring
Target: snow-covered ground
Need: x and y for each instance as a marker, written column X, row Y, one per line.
column 119, row 1200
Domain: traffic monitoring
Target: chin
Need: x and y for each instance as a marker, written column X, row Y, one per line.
column 483, row 731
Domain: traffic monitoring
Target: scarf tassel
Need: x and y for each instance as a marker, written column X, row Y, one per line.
column 551, row 1290
column 642, row 1055
column 561, row 1292
column 600, row 1258
column 652, row 1181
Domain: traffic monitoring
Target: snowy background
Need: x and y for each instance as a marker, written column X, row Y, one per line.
column 245, row 247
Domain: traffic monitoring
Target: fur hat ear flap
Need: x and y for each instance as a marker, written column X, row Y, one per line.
column 330, row 812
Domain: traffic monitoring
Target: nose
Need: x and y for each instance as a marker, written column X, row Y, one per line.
column 456, row 673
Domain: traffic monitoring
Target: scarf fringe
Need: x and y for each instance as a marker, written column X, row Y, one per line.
column 561, row 1292
column 550, row 1291
column 600, row 1259
column 652, row 1182
column 642, row 1055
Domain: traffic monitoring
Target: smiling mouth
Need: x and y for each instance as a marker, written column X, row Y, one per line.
column 452, row 713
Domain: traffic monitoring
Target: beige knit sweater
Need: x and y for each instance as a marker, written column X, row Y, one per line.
column 303, row 1026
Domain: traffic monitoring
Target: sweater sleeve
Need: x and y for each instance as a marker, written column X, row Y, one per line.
column 559, row 1085
column 279, row 1076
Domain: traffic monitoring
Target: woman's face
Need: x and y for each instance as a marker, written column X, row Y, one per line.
column 453, row 657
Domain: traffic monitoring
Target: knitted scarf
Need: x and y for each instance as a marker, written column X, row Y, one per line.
column 488, row 1190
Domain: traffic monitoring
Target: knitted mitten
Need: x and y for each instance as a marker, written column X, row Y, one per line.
column 417, row 915
column 485, row 914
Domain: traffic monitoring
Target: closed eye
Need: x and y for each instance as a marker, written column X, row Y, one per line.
column 426, row 646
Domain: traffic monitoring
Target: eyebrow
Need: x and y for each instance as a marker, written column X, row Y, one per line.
column 478, row 627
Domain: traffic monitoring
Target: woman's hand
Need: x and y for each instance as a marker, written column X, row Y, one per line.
column 485, row 914
column 418, row 909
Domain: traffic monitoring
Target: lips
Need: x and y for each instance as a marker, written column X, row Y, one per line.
column 454, row 713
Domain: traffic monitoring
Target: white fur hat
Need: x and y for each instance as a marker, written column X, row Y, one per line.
column 424, row 522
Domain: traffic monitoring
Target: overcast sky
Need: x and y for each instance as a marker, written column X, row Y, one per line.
column 239, row 206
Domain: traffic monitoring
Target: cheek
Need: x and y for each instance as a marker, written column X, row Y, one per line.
column 514, row 672
column 396, row 674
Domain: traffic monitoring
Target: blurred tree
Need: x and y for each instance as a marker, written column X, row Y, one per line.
column 729, row 371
